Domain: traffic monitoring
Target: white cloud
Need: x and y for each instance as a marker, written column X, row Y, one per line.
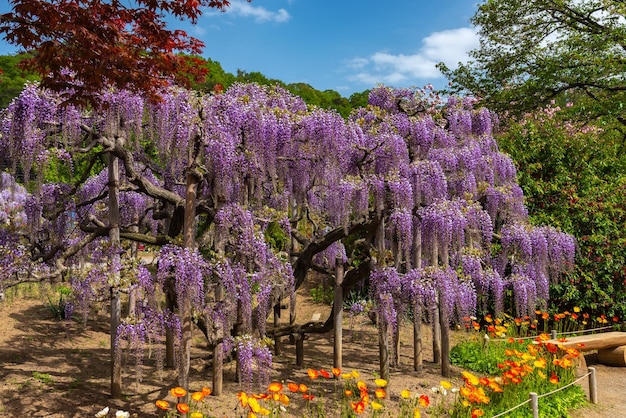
column 449, row 46
column 260, row 14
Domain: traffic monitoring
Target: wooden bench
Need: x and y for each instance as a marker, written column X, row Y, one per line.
column 611, row 347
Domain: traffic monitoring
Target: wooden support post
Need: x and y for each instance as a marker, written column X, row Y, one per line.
column 383, row 351
column 338, row 315
column 218, row 363
column 277, row 348
column 418, row 351
column 534, row 404
column 299, row 337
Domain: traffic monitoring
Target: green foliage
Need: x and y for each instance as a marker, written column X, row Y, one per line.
column 323, row 294
column 276, row 236
column 43, row 378
column 58, row 301
column 535, row 51
column 521, row 367
column 573, row 177
column 478, row 355
column 12, row 79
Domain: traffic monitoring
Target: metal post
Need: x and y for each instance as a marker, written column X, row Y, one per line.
column 554, row 334
column 593, row 388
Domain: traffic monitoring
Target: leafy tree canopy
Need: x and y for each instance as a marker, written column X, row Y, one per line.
column 535, row 51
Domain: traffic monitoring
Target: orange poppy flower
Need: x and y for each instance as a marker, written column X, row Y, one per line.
column 206, row 391
column 324, row 374
column 308, row 396
column 358, row 407
column 554, row 379
column 336, row 371
column 183, row 408
column 164, row 405
column 348, row 392
column 303, row 388
column 361, row 385
column 197, row 396
column 424, row 401
column 293, row 387
column 476, row 413
column 178, row 392
column 275, row 387
column 380, row 393
column 243, row 399
column 313, row 374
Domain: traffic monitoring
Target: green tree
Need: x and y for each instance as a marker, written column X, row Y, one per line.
column 574, row 178
column 535, row 51
column 12, row 78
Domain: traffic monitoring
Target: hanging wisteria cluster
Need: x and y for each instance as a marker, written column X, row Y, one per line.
column 426, row 174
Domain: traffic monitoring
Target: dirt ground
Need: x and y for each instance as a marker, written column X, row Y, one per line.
column 51, row 369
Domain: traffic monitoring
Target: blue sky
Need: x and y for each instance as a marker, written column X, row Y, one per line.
column 337, row 44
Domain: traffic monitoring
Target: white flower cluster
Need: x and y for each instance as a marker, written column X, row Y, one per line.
column 119, row 414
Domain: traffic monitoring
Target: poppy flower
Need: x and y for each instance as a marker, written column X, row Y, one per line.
column 358, row 407
column 380, row 393
column 178, row 392
column 164, row 405
column 424, row 401
column 243, row 399
column 254, row 405
column 197, row 396
column 206, row 391
column 324, row 374
column 336, row 371
column 293, row 387
column 183, row 408
column 313, row 374
column 554, row 379
column 275, row 387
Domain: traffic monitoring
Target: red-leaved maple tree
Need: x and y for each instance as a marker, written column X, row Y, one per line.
column 81, row 47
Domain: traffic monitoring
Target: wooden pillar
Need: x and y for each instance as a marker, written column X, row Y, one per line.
column 218, row 363
column 114, row 237
column 418, row 349
column 338, row 314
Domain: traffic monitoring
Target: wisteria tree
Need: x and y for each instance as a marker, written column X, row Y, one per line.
column 248, row 191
